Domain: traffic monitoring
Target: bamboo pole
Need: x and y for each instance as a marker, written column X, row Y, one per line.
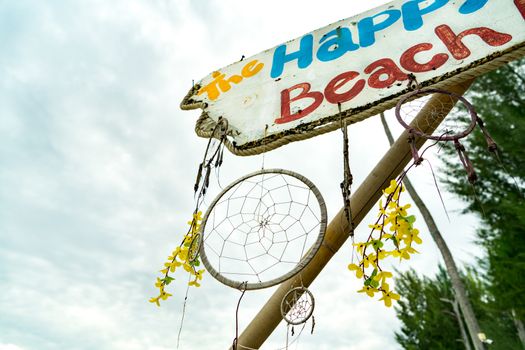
column 337, row 232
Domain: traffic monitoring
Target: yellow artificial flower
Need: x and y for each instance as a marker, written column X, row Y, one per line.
column 194, row 283
column 198, row 274
column 400, row 226
column 175, row 252
column 388, row 297
column 382, row 276
column 391, row 188
column 165, row 296
column 390, row 219
column 381, row 254
column 401, row 254
column 377, row 227
column 172, row 266
column 360, row 247
column 155, row 300
column 183, row 254
column 369, row 290
column 412, row 236
column 368, row 260
column 189, row 268
column 358, row 270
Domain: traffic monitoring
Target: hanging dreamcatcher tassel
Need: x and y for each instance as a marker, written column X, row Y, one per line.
column 413, row 149
column 471, row 173
column 211, row 158
column 491, row 144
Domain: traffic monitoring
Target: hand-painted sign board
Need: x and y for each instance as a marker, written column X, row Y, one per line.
column 354, row 65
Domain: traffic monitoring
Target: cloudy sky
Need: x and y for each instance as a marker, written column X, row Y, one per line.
column 97, row 164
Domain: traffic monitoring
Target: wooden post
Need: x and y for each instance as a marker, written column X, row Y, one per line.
column 337, row 232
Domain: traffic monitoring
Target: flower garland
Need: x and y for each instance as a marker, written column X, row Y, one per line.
column 185, row 255
column 392, row 235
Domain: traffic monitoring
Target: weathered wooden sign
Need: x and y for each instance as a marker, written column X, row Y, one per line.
column 359, row 66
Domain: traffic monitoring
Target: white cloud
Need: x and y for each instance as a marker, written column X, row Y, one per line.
column 10, row 347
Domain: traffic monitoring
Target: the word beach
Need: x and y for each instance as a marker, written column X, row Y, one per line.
column 358, row 62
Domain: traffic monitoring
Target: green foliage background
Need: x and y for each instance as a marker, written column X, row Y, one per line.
column 496, row 285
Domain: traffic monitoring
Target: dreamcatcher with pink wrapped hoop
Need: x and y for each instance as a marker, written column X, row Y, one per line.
column 451, row 130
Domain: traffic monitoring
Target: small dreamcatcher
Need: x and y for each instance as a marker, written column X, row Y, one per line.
column 450, row 130
column 297, row 307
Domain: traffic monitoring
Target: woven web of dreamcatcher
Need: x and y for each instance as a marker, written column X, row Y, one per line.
column 297, row 306
column 464, row 120
column 262, row 229
column 460, row 125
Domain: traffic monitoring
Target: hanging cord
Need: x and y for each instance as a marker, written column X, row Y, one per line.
column 264, row 146
column 463, row 157
column 348, row 177
column 183, row 312
column 242, row 287
column 287, row 333
column 491, row 144
column 494, row 149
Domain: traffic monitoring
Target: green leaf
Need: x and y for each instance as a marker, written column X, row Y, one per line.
column 411, row 219
column 167, row 280
column 396, row 242
column 377, row 244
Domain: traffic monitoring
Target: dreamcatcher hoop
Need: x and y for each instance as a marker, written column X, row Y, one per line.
column 297, row 298
column 305, row 259
column 420, row 93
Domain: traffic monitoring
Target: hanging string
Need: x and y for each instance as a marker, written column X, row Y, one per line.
column 242, row 287
column 287, row 332
column 264, row 146
column 348, row 177
column 183, row 313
